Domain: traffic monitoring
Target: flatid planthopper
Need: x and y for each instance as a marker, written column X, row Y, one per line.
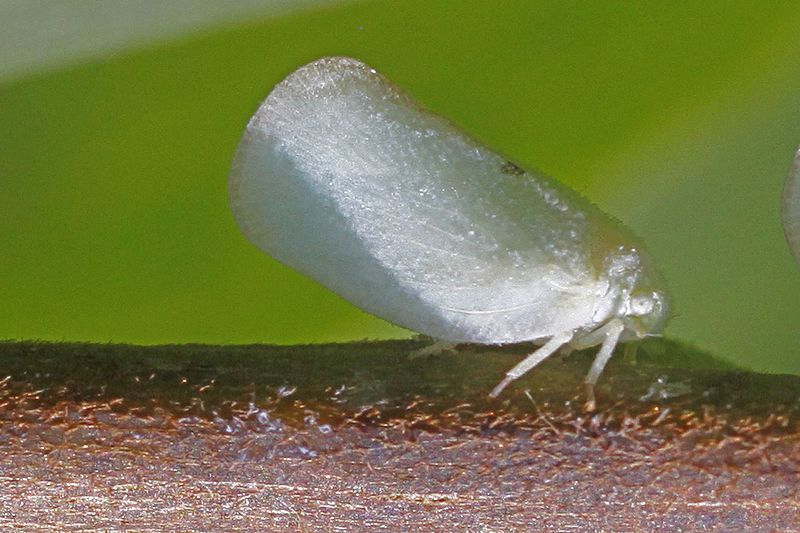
column 344, row 177
column 790, row 207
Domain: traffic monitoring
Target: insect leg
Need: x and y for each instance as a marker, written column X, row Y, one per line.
column 437, row 348
column 555, row 342
column 592, row 338
column 612, row 332
column 630, row 352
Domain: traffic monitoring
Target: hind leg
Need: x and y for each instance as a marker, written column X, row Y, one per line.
column 437, row 348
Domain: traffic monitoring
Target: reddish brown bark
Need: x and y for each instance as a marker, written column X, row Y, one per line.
column 357, row 437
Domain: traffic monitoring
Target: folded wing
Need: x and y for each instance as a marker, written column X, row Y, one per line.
column 345, row 178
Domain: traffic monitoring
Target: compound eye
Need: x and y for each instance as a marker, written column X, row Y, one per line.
column 641, row 305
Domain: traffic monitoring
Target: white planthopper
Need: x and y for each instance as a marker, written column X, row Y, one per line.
column 790, row 207
column 347, row 179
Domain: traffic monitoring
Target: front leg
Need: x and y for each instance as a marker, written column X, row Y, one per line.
column 612, row 332
column 555, row 342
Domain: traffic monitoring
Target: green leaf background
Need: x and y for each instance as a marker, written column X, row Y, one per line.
column 679, row 118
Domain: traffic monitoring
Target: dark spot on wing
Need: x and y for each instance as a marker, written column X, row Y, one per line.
column 511, row 169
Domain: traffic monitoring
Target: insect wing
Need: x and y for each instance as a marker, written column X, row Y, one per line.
column 790, row 208
column 345, row 178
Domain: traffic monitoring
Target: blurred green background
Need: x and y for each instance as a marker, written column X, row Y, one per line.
column 680, row 118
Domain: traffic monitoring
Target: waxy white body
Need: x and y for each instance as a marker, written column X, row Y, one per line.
column 790, row 208
column 345, row 178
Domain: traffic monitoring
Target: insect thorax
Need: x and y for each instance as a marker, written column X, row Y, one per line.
column 634, row 293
